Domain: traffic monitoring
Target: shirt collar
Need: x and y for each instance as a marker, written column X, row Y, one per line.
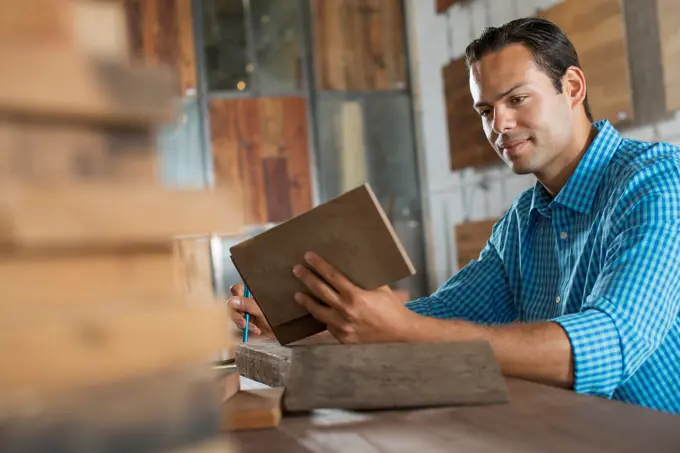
column 579, row 191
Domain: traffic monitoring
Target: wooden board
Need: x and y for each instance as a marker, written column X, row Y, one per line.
column 468, row 146
column 100, row 29
column 155, row 412
column 218, row 444
column 669, row 37
column 260, row 147
column 443, row 5
column 66, row 282
column 252, row 409
column 598, row 31
column 110, row 215
column 536, row 419
column 58, row 350
column 36, row 22
column 471, row 237
column 38, row 151
column 194, row 267
column 64, row 84
column 393, row 375
column 161, row 33
column 359, row 45
column 350, row 231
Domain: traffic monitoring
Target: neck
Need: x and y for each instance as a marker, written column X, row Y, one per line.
column 556, row 174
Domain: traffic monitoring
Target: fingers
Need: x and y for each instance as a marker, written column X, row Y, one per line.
column 237, row 290
column 320, row 289
column 245, row 305
column 330, row 273
column 324, row 314
column 240, row 321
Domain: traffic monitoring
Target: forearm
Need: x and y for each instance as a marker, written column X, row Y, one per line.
column 539, row 352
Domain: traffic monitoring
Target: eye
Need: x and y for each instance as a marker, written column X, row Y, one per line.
column 518, row 100
column 484, row 113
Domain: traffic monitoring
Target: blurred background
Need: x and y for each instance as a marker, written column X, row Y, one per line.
column 296, row 101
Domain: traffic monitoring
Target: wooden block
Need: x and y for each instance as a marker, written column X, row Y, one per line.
column 350, row 231
column 36, row 151
column 36, row 22
column 598, row 31
column 194, row 267
column 51, row 351
column 100, row 29
column 468, row 146
column 56, row 83
column 668, row 12
column 252, row 409
column 229, row 384
column 471, row 238
column 66, row 282
column 443, row 5
column 110, row 215
column 156, row 412
column 393, row 375
column 268, row 362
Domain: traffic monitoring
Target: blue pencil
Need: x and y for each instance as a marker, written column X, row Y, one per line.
column 246, row 293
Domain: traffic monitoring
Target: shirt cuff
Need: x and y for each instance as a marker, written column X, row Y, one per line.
column 421, row 306
column 596, row 346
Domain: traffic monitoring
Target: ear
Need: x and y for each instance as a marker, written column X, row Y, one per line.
column 574, row 86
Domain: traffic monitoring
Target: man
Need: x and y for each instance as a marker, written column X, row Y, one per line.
column 579, row 283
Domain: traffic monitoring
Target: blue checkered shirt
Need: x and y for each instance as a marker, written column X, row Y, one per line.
column 601, row 259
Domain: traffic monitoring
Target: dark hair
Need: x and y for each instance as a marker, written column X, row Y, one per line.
column 552, row 50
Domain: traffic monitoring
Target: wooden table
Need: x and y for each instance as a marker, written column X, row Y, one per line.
column 537, row 419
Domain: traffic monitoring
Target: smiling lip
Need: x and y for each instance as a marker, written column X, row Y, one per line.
column 514, row 147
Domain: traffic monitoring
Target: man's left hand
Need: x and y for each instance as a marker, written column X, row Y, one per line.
column 353, row 315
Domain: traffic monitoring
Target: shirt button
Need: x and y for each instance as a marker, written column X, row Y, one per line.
column 563, row 235
column 558, row 300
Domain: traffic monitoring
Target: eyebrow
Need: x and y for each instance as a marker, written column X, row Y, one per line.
column 502, row 95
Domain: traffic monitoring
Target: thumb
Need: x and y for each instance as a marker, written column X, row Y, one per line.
column 245, row 305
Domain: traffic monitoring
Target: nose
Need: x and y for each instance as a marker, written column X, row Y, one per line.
column 503, row 120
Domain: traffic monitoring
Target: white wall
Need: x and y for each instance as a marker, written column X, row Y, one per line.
column 453, row 197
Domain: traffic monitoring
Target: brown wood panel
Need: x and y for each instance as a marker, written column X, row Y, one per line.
column 468, row 146
column 598, row 31
column 669, row 37
column 260, row 147
column 359, row 44
column 471, row 237
column 443, row 5
column 161, row 33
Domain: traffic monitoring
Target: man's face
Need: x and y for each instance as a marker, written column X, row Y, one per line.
column 525, row 119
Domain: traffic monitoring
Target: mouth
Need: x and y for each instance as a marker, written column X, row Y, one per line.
column 513, row 148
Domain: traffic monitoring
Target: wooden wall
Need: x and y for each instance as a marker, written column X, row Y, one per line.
column 669, row 37
column 471, row 238
column 260, row 145
column 359, row 44
column 161, row 32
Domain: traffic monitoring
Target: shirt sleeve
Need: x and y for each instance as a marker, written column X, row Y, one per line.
column 478, row 293
column 635, row 299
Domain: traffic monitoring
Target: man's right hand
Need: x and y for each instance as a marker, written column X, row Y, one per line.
column 242, row 305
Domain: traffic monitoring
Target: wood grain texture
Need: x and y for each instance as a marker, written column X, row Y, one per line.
column 193, row 267
column 471, row 237
column 536, row 419
column 260, row 147
column 110, row 215
column 598, row 31
column 669, row 38
column 252, row 409
column 155, row 412
column 393, row 375
column 359, row 44
column 468, row 146
column 350, row 231
column 83, row 89
column 70, row 282
column 77, row 152
column 105, row 344
column 161, row 33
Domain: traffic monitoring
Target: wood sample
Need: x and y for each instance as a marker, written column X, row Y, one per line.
column 359, row 44
column 468, row 146
column 153, row 412
column 229, row 384
column 72, row 280
column 443, row 5
column 471, row 238
column 260, row 148
column 110, row 215
column 80, row 88
column 194, row 266
column 105, row 344
column 669, row 38
column 161, row 33
column 252, row 409
column 350, row 231
column 77, row 153
column 393, row 375
column 598, row 31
